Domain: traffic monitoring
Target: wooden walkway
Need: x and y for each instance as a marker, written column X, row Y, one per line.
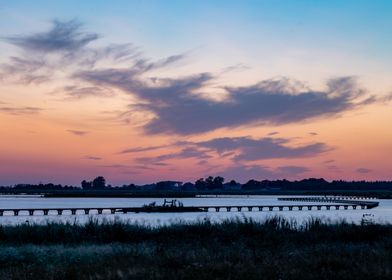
column 323, row 203
column 346, row 200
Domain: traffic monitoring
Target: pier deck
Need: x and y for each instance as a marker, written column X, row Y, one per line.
column 345, row 200
column 324, row 203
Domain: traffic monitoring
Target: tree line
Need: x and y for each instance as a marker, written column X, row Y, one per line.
column 214, row 183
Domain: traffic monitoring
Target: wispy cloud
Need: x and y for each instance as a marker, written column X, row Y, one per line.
column 115, row 166
column 268, row 102
column 292, row 169
column 78, row 132
column 141, row 149
column 184, row 153
column 63, row 48
column 20, row 110
column 93, row 158
column 75, row 92
column 250, row 149
column 333, row 168
column 26, row 70
column 363, row 170
column 236, row 68
column 239, row 151
column 62, row 37
column 261, row 172
column 273, row 133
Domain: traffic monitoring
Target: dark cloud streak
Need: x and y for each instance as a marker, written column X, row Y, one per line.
column 93, row 158
column 63, row 36
column 21, row 110
column 141, row 149
column 74, row 92
column 179, row 110
column 239, row 150
column 78, row 132
column 264, row 148
column 363, row 170
column 261, row 172
column 185, row 153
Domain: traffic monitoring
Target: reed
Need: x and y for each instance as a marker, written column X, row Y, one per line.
column 240, row 248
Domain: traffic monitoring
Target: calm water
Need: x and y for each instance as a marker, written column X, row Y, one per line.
column 382, row 214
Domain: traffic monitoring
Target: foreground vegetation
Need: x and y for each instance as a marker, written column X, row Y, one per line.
column 235, row 249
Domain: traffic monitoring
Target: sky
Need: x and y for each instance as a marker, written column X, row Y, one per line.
column 142, row 91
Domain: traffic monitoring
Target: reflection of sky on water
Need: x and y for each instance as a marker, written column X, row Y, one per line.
column 383, row 213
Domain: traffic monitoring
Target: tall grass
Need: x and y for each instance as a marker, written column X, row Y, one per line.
column 95, row 231
column 275, row 248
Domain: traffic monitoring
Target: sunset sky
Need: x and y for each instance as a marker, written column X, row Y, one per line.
column 142, row 91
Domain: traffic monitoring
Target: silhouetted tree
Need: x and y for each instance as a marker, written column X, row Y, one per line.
column 99, row 182
column 233, row 182
column 128, row 187
column 217, row 183
column 252, row 185
column 210, row 183
column 200, row 184
column 188, row 186
column 86, row 185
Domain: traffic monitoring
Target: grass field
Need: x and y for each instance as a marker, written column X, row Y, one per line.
column 235, row 249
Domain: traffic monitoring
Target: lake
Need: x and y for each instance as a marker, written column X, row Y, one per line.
column 382, row 214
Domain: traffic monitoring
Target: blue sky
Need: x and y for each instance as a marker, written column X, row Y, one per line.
column 252, row 32
column 363, row 25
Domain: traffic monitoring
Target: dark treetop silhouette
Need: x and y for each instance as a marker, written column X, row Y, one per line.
column 210, row 184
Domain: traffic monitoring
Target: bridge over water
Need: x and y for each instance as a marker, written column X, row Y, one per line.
column 322, row 203
column 354, row 201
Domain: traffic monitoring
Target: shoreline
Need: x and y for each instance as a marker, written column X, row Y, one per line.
column 379, row 194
